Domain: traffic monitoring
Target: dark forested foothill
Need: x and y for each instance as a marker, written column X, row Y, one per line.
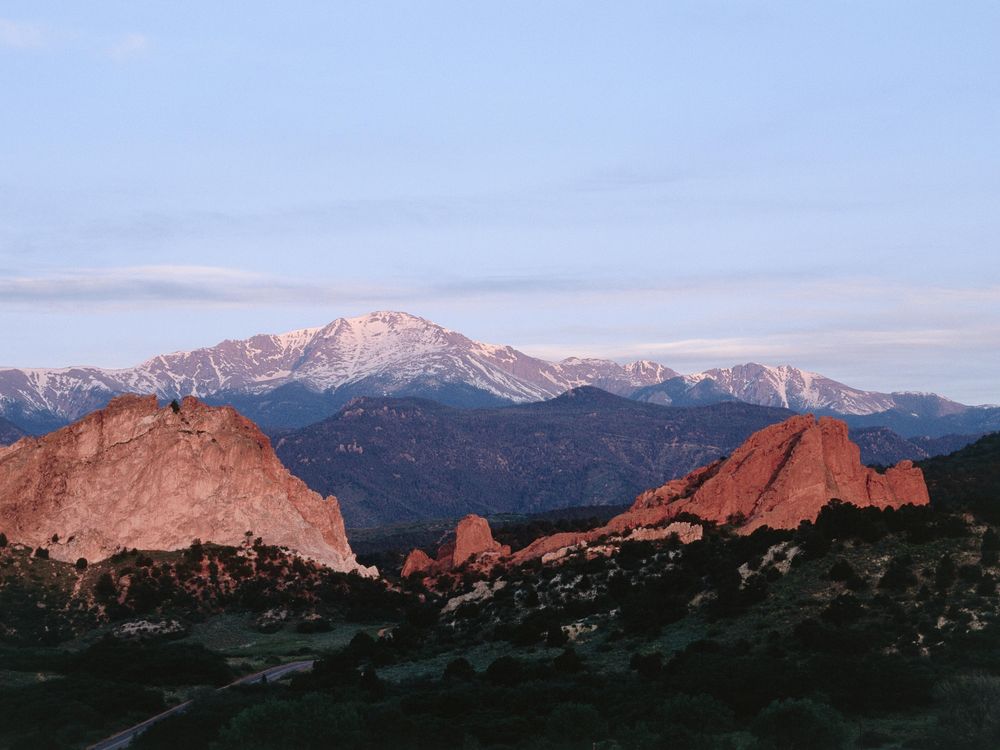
column 390, row 460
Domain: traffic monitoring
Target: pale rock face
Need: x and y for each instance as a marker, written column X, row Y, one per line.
column 785, row 474
column 136, row 475
column 627, row 527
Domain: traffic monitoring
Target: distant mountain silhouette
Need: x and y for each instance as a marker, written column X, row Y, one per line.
column 391, row 460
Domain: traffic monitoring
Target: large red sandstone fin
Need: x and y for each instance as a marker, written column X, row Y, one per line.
column 785, row 474
column 135, row 475
column 779, row 477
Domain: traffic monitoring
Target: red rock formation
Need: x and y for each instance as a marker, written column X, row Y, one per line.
column 417, row 561
column 785, row 474
column 135, row 475
column 473, row 538
column 624, row 527
column 780, row 476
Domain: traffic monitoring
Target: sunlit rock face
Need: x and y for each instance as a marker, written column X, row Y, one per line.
column 785, row 474
column 139, row 476
column 780, row 476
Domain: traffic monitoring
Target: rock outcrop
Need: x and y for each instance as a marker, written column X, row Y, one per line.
column 136, row 475
column 474, row 537
column 473, row 542
column 622, row 528
column 782, row 475
column 417, row 561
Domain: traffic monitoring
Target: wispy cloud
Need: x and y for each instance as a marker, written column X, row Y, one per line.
column 139, row 286
column 865, row 332
column 212, row 285
column 623, row 177
column 129, row 47
column 21, row 35
column 108, row 283
column 24, row 36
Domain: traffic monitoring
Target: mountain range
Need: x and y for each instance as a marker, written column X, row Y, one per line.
column 394, row 460
column 305, row 375
column 300, row 377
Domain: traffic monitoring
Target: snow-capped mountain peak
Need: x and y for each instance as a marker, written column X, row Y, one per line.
column 388, row 352
column 383, row 352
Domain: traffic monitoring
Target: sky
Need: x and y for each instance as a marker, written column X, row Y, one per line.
column 700, row 183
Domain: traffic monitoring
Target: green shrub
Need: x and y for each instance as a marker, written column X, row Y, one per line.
column 505, row 670
column 152, row 663
column 801, row 723
column 313, row 722
column 313, row 625
column 459, row 669
column 568, row 662
column 968, row 715
column 575, row 725
column 701, row 714
column 67, row 710
column 897, row 576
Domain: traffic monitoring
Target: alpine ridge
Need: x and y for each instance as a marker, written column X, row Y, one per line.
column 382, row 353
column 790, row 388
column 134, row 475
column 297, row 378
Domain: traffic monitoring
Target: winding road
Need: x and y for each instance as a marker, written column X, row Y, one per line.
column 125, row 737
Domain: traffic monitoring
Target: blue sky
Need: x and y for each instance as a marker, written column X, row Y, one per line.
column 699, row 183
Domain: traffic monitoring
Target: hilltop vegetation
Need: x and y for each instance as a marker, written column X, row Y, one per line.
column 866, row 629
column 968, row 478
column 45, row 602
column 860, row 630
